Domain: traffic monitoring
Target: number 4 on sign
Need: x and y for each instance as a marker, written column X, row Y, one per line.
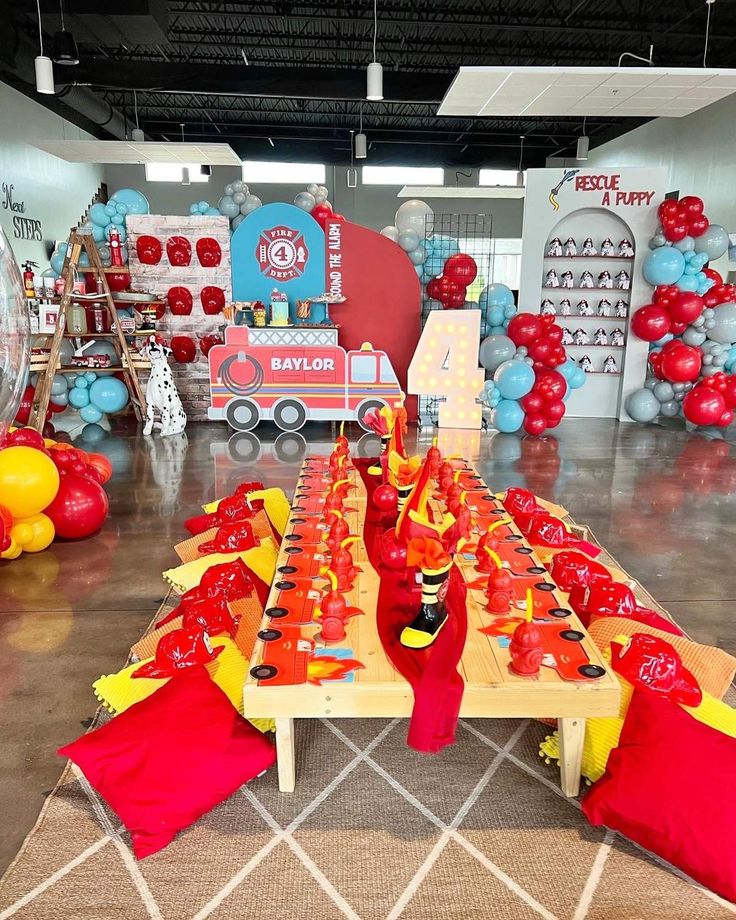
column 445, row 364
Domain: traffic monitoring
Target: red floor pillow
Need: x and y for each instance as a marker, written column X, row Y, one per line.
column 669, row 786
column 171, row 758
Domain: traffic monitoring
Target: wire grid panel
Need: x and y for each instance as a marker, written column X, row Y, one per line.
column 473, row 234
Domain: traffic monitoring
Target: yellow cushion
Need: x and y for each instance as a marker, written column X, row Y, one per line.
column 275, row 504
column 261, row 560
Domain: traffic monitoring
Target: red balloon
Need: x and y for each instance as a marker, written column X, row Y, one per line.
column 540, row 350
column 183, row 348
column 25, row 437
column 535, row 424
column 454, row 300
column 651, row 322
column 101, row 464
column 554, row 410
column 725, row 420
column 386, row 498
column 80, row 507
column 461, row 268
column 666, row 294
column 691, row 205
column 550, row 385
column 699, row 225
column 681, row 363
column 321, row 213
column 532, row 403
column 26, row 403
column 434, row 288
column 554, row 334
column 703, row 406
column 686, row 307
column 393, row 553
column 729, row 391
column 524, row 328
column 674, row 230
column 668, row 209
column 715, row 276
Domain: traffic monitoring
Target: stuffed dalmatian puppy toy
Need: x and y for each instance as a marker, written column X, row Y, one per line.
column 551, row 279
column 586, row 364
column 625, row 249
column 600, row 337
column 609, row 365
column 580, row 337
column 604, row 307
column 565, row 307
column 161, row 392
column 588, row 248
column 555, row 247
column 605, row 280
column 571, row 247
column 567, row 336
column 622, row 280
column 617, row 337
column 548, row 308
column 607, row 247
column 586, row 280
column 567, row 279
column 621, row 309
column 584, row 308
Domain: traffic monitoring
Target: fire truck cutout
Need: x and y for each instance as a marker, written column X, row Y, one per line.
column 293, row 376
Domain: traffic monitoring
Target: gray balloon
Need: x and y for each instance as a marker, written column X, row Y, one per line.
column 670, row 408
column 418, row 255
column 651, row 383
column 239, row 197
column 708, row 370
column 522, row 350
column 391, row 233
column 305, row 201
column 678, row 387
column 494, row 350
column 312, row 188
column 250, row 204
column 720, row 360
column 227, row 206
column 59, row 385
column 714, row 242
column 61, row 399
column 237, row 221
column 408, row 240
column 692, row 336
column 104, row 251
column 659, row 239
column 686, row 244
column 228, row 190
column 724, row 324
column 663, row 391
column 642, row 405
column 239, row 186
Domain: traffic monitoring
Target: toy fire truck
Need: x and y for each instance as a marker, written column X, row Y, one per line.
column 296, row 375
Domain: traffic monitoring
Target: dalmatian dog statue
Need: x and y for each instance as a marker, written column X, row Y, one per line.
column 161, row 392
column 604, row 307
column 600, row 337
column 551, row 279
column 548, row 308
column 607, row 247
column 586, row 280
column 584, row 308
column 567, row 279
column 609, row 365
column 580, row 337
column 567, row 336
column 588, row 248
column 617, row 337
column 565, row 308
column 625, row 249
column 621, row 309
column 555, row 247
column 605, row 280
column 571, row 247
column 622, row 280
column 586, row 364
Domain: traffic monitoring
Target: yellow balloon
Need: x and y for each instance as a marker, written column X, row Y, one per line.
column 12, row 552
column 48, row 442
column 42, row 532
column 22, row 533
column 29, row 480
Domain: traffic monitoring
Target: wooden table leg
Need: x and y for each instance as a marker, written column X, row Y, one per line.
column 285, row 754
column 572, row 737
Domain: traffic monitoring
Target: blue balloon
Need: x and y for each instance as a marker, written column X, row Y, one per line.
column 78, row 397
column 510, row 311
column 578, row 378
column 81, row 382
column 567, row 369
column 121, row 208
column 203, row 205
column 90, row 413
column 90, row 376
column 110, row 209
column 108, row 394
column 434, row 264
column 117, row 219
column 136, row 201
column 687, row 282
column 194, row 208
column 507, row 416
column 212, row 212
column 514, row 379
column 98, row 214
column 419, row 269
column 494, row 316
column 57, row 262
column 497, row 330
column 498, row 294
column 93, row 434
column 663, row 341
column 664, row 265
column 98, row 233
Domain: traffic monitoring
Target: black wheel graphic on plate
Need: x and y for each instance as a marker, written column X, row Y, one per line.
column 514, row 538
column 290, row 415
column 524, row 550
column 544, row 586
column 277, row 612
column 288, row 569
column 263, row 671
column 298, row 508
column 591, row 670
column 268, row 635
column 536, row 570
column 572, row 635
column 366, row 407
column 242, row 414
column 559, row 612
column 298, row 520
column 295, row 537
column 291, row 550
column 285, row 585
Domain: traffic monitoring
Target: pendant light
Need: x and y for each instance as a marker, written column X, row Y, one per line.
column 581, row 152
column 361, row 141
column 374, row 83
column 65, row 47
column 43, row 65
column 136, row 134
column 520, row 171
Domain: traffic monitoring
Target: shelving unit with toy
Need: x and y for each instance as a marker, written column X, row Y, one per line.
column 585, row 236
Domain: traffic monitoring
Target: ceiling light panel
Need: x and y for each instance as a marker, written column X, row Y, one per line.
column 602, row 91
column 126, row 152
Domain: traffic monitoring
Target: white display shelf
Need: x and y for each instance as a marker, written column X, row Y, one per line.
column 609, row 347
column 591, row 258
column 589, row 290
column 577, row 316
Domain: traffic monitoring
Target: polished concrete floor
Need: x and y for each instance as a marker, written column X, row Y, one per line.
column 662, row 501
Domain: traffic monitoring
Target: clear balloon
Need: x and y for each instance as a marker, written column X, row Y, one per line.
column 305, row 200
column 250, row 204
column 15, row 335
column 393, row 234
column 415, row 215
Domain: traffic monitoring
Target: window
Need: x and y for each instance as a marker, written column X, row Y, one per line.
column 403, row 175
column 497, row 177
column 363, row 369
column 174, row 172
column 297, row 173
column 387, row 372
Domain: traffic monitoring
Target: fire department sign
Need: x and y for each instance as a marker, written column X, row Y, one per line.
column 282, row 253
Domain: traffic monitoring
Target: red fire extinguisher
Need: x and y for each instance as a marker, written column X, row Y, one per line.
column 116, row 255
column 29, row 285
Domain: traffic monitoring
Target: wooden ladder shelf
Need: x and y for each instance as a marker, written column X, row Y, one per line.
column 130, row 362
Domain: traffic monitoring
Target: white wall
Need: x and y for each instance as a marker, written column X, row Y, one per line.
column 54, row 192
column 370, row 205
column 699, row 155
